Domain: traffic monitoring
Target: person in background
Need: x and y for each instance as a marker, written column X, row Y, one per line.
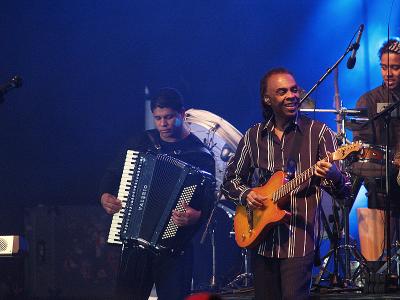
column 373, row 174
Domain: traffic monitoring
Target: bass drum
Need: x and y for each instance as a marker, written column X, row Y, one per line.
column 221, row 138
column 218, row 135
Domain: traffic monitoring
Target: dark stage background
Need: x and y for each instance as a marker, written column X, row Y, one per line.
column 85, row 66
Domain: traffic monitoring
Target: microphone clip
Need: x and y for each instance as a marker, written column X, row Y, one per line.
column 354, row 46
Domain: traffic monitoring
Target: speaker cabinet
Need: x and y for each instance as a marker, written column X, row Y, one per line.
column 68, row 255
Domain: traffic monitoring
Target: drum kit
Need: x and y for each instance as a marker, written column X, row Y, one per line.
column 368, row 162
column 222, row 139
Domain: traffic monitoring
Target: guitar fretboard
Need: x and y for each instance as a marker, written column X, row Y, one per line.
column 292, row 184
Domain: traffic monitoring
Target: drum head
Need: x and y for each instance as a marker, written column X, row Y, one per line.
column 217, row 135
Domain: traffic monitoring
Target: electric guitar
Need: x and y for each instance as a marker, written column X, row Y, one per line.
column 251, row 225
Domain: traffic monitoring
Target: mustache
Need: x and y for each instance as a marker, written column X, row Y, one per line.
column 293, row 99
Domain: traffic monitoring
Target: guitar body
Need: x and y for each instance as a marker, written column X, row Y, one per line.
column 249, row 235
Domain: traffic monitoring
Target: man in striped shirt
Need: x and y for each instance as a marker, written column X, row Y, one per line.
column 283, row 262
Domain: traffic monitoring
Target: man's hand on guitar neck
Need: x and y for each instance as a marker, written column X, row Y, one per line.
column 255, row 200
column 328, row 171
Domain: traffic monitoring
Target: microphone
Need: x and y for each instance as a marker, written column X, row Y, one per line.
column 13, row 83
column 352, row 59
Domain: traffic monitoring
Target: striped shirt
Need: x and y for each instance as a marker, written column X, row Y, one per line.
column 260, row 153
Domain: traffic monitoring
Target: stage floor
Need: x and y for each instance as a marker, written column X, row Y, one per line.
column 248, row 294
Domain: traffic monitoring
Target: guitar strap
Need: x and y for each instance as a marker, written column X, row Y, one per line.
column 291, row 163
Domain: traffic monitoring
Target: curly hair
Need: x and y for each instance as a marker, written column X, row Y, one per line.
column 390, row 46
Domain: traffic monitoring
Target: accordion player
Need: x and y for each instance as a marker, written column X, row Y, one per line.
column 152, row 185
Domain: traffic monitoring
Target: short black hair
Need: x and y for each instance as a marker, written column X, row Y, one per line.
column 390, row 46
column 266, row 109
column 167, row 97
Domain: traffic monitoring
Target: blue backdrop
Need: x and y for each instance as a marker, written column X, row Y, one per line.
column 85, row 65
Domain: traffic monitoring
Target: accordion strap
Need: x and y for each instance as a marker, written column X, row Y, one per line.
column 154, row 140
column 200, row 149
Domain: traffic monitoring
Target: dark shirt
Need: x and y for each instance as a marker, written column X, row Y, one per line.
column 375, row 133
column 374, row 136
column 261, row 152
column 190, row 150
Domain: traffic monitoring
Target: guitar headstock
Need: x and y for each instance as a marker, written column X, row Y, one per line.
column 345, row 150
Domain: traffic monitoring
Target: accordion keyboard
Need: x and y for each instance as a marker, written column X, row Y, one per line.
column 124, row 187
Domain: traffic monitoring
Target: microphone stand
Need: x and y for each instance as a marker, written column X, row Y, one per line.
column 349, row 48
column 210, row 227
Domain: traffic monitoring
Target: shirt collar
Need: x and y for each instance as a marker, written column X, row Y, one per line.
column 395, row 92
column 297, row 122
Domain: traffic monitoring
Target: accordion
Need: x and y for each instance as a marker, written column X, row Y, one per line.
column 151, row 187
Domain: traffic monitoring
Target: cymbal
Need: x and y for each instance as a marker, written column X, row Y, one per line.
column 361, row 112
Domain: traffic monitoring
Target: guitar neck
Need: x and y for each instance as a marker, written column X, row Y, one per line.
column 339, row 154
column 294, row 183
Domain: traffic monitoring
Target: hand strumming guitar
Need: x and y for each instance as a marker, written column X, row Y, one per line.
column 255, row 200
